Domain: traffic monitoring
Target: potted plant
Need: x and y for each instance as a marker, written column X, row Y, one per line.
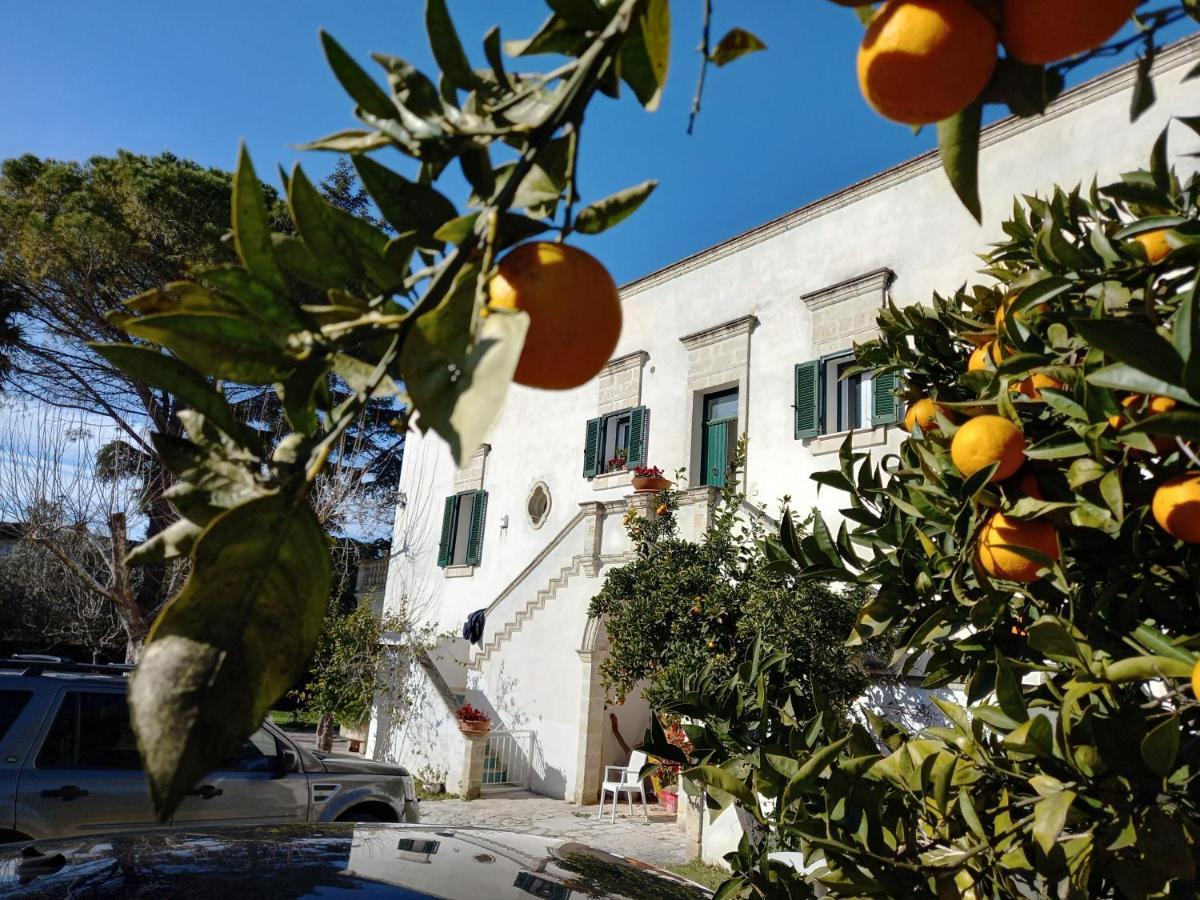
column 668, row 786
column 472, row 720
column 618, row 462
column 649, row 480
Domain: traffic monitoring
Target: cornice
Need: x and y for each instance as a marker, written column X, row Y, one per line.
column 876, row 282
column 1105, row 85
column 724, row 331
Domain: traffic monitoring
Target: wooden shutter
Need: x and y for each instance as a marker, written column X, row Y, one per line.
column 639, row 421
column 808, row 407
column 716, row 452
column 447, row 542
column 591, row 449
column 475, row 540
column 885, row 405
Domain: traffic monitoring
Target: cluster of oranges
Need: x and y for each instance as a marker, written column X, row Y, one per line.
column 922, row 61
column 986, row 440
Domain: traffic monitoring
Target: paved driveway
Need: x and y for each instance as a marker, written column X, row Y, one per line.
column 658, row 841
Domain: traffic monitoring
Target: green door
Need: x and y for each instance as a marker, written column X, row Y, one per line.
column 720, row 437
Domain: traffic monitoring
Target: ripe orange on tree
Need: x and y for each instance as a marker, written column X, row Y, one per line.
column 922, row 61
column 985, row 440
column 1196, row 681
column 1001, row 532
column 1176, row 507
column 979, row 358
column 574, row 312
column 924, row 413
column 1032, row 386
column 1043, row 31
column 1155, row 244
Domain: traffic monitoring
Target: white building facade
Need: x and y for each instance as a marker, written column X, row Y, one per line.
column 745, row 338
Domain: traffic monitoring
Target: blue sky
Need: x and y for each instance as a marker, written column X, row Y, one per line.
column 778, row 129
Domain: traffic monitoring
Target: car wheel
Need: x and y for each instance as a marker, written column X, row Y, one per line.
column 353, row 816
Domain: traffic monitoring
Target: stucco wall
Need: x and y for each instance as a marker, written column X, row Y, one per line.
column 906, row 220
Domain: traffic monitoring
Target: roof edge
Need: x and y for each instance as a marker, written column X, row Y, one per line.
column 1103, row 85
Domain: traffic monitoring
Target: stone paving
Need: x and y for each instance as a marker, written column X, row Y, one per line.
column 658, row 841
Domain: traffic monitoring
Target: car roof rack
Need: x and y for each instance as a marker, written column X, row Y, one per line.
column 32, row 667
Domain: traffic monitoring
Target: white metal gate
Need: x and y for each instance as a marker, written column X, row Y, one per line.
column 507, row 757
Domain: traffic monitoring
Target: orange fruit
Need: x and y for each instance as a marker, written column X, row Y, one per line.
column 924, row 413
column 574, row 312
column 922, row 61
column 985, row 440
column 1043, row 31
column 1032, row 386
column 1137, row 403
column 1000, row 562
column 1176, row 507
column 1030, row 488
column 1002, row 312
column 1155, row 244
column 1196, row 681
column 979, row 358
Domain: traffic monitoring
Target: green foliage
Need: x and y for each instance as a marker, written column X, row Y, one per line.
column 1069, row 772
column 322, row 291
column 350, row 661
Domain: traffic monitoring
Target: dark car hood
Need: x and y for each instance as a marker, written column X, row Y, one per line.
column 357, row 862
column 345, row 766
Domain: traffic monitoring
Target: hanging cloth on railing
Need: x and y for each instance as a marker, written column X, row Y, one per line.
column 473, row 627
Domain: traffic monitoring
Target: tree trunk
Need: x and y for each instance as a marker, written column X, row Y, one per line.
column 127, row 607
column 325, row 732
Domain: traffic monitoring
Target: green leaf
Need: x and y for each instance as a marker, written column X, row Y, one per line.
column 456, row 385
column 1143, row 88
column 447, row 48
column 407, row 205
column 357, row 83
column 350, row 140
column 1160, row 746
column 724, row 780
column 222, row 346
column 616, row 208
column 317, row 226
column 1049, row 817
column 958, row 139
column 251, row 227
column 737, row 43
column 158, row 370
column 1180, row 423
column 236, row 637
column 1123, row 377
column 645, row 54
column 811, row 770
column 1051, row 638
column 270, row 307
column 1008, row 691
column 1134, row 344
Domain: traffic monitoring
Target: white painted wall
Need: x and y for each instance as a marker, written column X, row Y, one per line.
column 907, row 220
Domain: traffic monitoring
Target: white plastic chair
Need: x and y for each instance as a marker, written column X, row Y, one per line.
column 625, row 780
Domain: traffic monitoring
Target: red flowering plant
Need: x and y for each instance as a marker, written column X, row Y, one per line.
column 648, row 472
column 469, row 713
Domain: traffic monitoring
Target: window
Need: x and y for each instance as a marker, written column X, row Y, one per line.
column 462, row 529
column 12, row 704
column 538, row 505
column 258, row 753
column 541, row 887
column 90, row 731
column 832, row 398
column 615, row 442
column 718, row 437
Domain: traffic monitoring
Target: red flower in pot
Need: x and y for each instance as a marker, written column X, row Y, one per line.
column 649, row 479
column 471, row 719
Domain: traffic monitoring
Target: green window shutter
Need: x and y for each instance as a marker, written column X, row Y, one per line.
column 716, row 452
column 591, row 449
column 807, row 406
column 446, row 544
column 475, row 541
column 639, row 420
column 885, row 405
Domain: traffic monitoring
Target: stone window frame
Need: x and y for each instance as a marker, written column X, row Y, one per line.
column 718, row 359
column 469, row 478
column 871, row 290
column 611, row 399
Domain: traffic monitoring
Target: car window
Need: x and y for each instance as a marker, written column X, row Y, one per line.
column 258, row 753
column 12, row 704
column 90, row 731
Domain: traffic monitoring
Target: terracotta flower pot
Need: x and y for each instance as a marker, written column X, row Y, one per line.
column 650, row 485
column 475, row 727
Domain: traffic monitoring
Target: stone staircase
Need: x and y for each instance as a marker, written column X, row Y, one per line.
column 538, row 602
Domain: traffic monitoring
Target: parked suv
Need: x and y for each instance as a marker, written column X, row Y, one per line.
column 69, row 766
